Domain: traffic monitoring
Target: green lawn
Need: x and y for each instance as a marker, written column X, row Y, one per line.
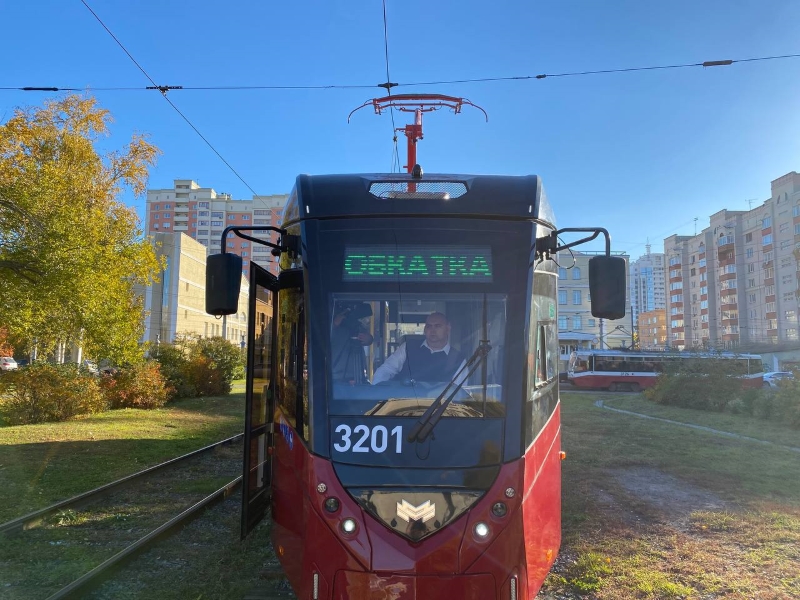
column 44, row 463
column 656, row 510
column 761, row 429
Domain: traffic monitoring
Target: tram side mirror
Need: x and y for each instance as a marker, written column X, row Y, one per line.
column 607, row 284
column 223, row 280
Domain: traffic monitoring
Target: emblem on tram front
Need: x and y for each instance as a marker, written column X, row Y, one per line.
column 408, row 512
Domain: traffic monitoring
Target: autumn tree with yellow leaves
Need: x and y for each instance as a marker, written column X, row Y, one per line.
column 70, row 250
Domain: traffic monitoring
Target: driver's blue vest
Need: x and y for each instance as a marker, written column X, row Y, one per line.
column 424, row 365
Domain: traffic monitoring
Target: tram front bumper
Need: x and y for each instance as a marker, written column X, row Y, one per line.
column 372, row 586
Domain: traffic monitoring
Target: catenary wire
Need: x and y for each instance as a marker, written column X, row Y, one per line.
column 164, row 94
column 388, row 84
column 704, row 64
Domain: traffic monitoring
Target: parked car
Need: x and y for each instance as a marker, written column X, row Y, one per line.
column 7, row 363
column 772, row 379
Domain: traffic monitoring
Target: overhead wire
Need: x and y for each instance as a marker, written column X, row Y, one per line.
column 163, row 90
column 388, row 85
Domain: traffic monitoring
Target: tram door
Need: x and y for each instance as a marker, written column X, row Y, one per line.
column 260, row 394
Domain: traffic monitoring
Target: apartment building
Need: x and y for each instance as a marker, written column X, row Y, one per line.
column 203, row 214
column 648, row 284
column 176, row 304
column 652, row 329
column 735, row 284
column 577, row 328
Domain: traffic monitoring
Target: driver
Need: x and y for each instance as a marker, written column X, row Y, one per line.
column 433, row 360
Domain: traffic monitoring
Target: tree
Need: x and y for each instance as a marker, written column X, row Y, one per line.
column 70, row 251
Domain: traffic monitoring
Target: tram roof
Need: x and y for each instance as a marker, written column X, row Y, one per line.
column 657, row 354
column 378, row 194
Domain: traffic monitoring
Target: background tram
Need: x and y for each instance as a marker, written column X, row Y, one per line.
column 415, row 485
column 624, row 371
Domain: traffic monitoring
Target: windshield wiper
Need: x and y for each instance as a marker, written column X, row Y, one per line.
column 423, row 428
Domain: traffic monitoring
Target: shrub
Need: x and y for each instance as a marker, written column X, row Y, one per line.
column 199, row 367
column 224, row 357
column 206, row 380
column 137, row 386
column 45, row 392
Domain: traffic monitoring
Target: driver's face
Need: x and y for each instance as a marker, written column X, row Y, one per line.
column 437, row 331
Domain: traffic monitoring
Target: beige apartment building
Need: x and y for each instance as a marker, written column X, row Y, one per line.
column 577, row 328
column 203, row 214
column 176, row 304
column 653, row 330
column 735, row 284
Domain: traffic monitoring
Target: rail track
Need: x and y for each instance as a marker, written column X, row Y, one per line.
column 75, row 537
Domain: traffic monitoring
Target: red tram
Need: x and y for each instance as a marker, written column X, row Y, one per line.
column 630, row 371
column 405, row 432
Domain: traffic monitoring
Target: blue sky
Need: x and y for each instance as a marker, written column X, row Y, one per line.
column 640, row 153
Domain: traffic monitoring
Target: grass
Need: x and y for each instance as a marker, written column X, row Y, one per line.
column 652, row 510
column 746, row 425
column 44, row 463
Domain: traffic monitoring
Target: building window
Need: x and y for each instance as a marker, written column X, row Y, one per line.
column 202, row 213
column 166, row 225
column 796, row 210
column 155, row 216
column 576, row 322
column 245, row 244
column 562, row 273
column 562, row 323
column 562, row 296
column 155, row 207
column 590, row 322
column 576, row 272
column 766, row 240
column 244, row 254
column 216, row 223
column 202, row 204
column 245, row 217
column 203, row 223
column 767, row 222
column 576, row 296
column 230, row 244
column 167, row 206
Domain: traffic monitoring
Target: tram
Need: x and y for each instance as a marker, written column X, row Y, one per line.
column 629, row 371
column 405, row 437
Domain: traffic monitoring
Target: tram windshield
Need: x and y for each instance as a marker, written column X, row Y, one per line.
column 393, row 354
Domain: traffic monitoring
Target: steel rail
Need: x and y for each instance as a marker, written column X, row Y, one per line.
column 94, row 576
column 32, row 519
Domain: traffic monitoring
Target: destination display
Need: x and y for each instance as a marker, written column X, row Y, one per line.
column 444, row 264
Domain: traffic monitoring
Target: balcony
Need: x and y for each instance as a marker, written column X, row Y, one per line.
column 726, row 240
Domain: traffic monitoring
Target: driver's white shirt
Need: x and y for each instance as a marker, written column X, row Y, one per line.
column 394, row 364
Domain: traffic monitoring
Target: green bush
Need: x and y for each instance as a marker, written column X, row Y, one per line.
column 44, row 392
column 199, row 367
column 137, row 386
column 224, row 359
column 719, row 391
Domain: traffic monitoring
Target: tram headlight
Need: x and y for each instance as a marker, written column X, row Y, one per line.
column 349, row 525
column 481, row 530
column 332, row 505
column 499, row 509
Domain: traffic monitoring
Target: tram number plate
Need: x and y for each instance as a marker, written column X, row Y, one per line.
column 362, row 438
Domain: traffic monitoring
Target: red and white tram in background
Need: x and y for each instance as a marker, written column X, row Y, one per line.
column 624, row 371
